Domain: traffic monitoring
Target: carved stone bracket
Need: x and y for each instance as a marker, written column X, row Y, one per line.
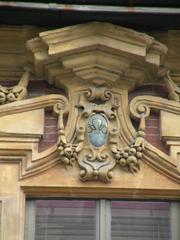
column 18, row 92
column 173, row 89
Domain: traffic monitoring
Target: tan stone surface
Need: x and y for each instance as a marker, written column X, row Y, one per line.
column 27, row 123
column 0, row 220
column 171, row 40
column 148, row 183
column 10, row 197
column 13, row 55
column 170, row 125
column 57, row 182
column 170, row 133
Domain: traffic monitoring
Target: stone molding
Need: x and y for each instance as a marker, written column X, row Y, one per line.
column 101, row 53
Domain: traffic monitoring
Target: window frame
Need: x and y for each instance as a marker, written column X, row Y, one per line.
column 103, row 217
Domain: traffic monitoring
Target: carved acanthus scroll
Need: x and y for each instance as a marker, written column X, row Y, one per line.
column 18, row 92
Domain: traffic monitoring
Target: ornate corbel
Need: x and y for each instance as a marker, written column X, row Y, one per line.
column 172, row 88
column 17, row 92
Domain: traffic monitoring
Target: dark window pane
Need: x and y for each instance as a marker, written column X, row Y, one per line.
column 65, row 220
column 140, row 220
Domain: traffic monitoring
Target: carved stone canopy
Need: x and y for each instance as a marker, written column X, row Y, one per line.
column 97, row 53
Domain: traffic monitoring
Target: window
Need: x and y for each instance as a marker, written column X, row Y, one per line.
column 102, row 220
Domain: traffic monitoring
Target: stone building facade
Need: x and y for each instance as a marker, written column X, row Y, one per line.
column 88, row 112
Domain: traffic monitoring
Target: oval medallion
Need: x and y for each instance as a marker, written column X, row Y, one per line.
column 97, row 130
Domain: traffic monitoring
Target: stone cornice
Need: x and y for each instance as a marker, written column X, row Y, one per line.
column 97, row 52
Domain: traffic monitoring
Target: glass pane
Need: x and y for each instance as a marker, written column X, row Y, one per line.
column 140, row 220
column 65, row 220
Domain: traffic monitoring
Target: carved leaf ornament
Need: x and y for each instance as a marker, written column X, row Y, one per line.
column 98, row 64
